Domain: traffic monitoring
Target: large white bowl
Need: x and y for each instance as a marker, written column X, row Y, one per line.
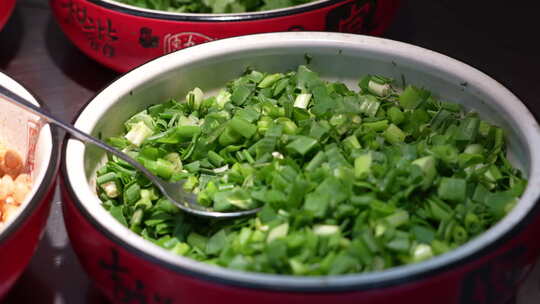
column 342, row 57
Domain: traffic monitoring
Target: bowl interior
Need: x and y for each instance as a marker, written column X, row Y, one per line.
column 160, row 13
column 331, row 62
column 336, row 57
column 22, row 132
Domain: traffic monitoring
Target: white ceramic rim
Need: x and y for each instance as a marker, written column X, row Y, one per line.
column 39, row 182
column 74, row 161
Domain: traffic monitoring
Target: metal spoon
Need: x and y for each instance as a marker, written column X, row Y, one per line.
column 173, row 191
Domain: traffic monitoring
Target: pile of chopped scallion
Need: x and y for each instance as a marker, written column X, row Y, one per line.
column 214, row 6
column 349, row 181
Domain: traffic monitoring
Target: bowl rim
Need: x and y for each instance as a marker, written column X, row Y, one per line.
column 49, row 177
column 514, row 222
column 6, row 10
column 206, row 17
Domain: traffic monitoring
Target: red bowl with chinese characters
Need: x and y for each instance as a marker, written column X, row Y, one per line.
column 122, row 36
column 22, row 219
column 6, row 8
column 128, row 268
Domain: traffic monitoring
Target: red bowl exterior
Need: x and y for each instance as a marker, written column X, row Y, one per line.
column 127, row 275
column 6, row 8
column 19, row 240
column 123, row 39
column 18, row 248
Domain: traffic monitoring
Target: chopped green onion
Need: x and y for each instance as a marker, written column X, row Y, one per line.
column 278, row 232
column 362, row 165
column 394, row 134
column 138, row 133
column 242, row 127
column 302, row 145
column 422, row 252
column 396, row 115
column 452, row 189
column 378, row 89
column 302, row 100
column 413, row 97
column 111, row 189
column 347, row 181
column 270, row 80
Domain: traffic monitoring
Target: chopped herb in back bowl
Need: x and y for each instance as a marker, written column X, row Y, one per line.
column 214, row 6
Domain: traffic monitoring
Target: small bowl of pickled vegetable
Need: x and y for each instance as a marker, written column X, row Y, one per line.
column 28, row 165
column 385, row 173
column 122, row 34
column 6, row 8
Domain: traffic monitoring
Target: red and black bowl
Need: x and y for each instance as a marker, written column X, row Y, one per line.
column 122, row 36
column 22, row 230
column 6, row 8
column 128, row 268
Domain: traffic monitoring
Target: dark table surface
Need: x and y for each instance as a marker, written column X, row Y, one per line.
column 494, row 36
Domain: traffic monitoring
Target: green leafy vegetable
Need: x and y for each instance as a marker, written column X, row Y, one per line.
column 216, row 6
column 349, row 180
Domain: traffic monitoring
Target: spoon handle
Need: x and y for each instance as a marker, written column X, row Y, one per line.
column 76, row 133
column 173, row 191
